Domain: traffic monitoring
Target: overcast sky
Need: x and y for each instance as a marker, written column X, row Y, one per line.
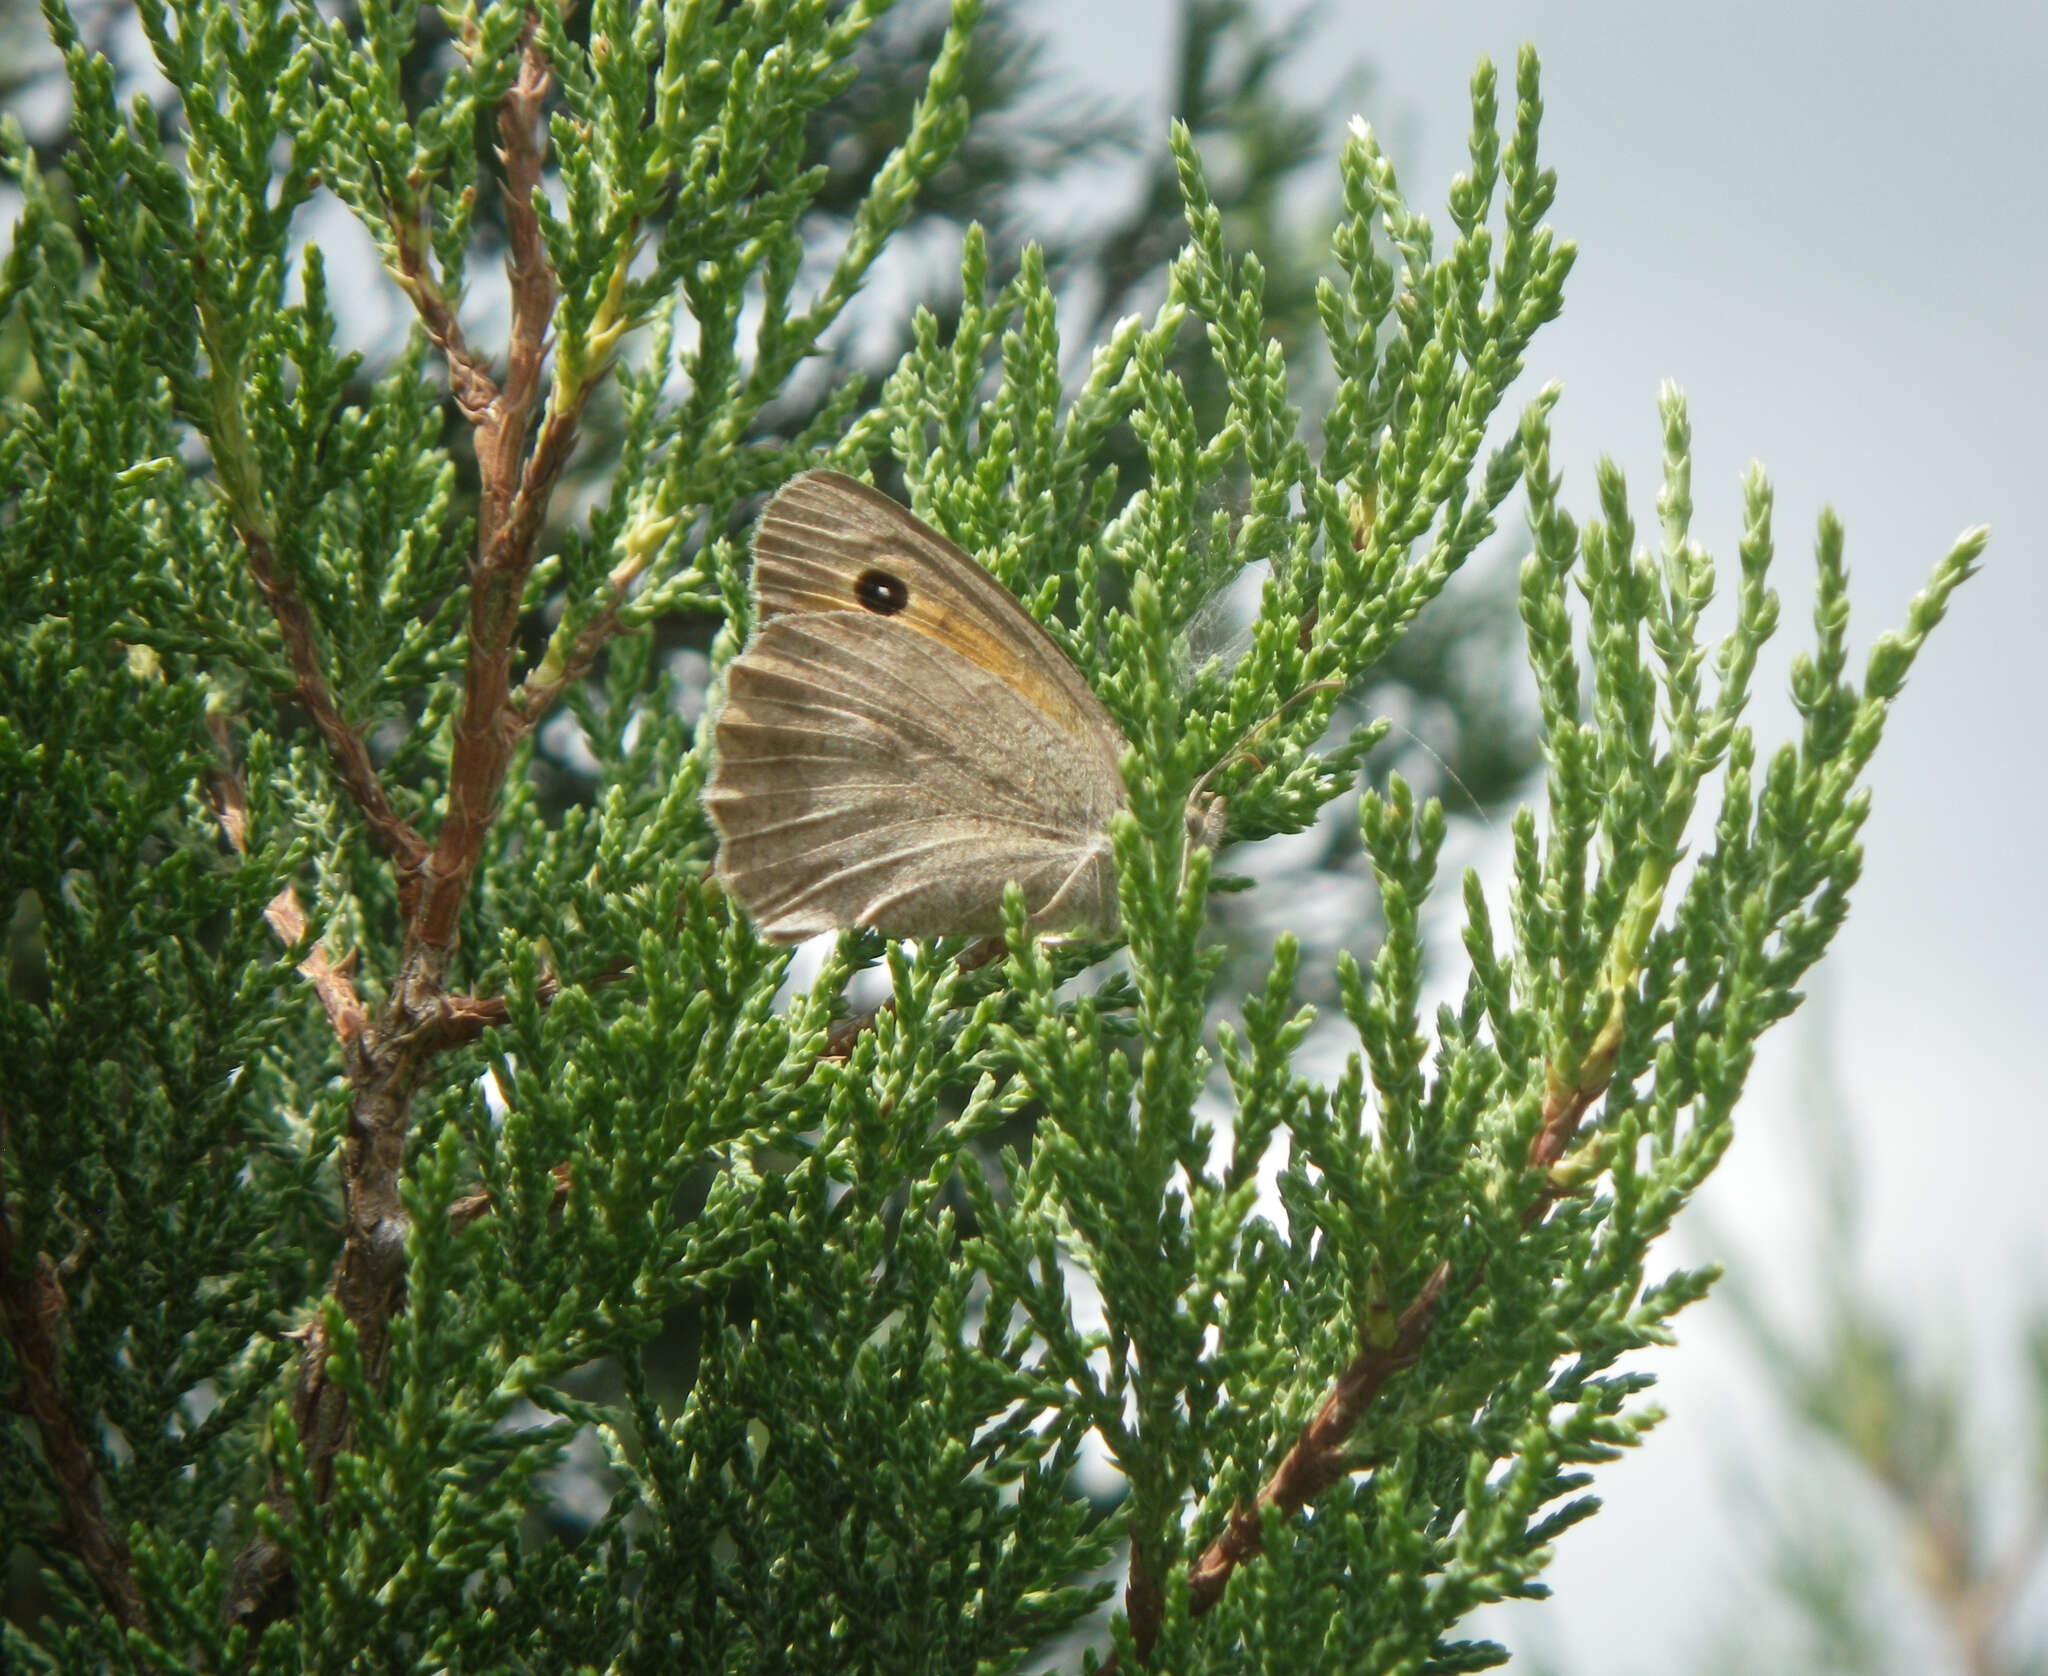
column 1826, row 222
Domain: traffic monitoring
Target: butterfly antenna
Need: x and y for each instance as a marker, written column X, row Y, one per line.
column 1450, row 773
column 1244, row 745
column 1243, row 748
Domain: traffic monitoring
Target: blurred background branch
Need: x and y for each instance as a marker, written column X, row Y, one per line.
column 1896, row 1516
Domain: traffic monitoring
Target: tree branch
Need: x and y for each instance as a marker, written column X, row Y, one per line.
column 1564, row 1108
column 1318, row 1456
column 333, row 981
column 385, row 1066
column 345, row 746
column 387, row 1062
column 473, row 1206
column 31, row 1311
column 469, row 380
column 511, row 510
column 542, row 687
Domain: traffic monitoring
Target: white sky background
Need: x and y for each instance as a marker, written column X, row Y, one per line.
column 1826, row 223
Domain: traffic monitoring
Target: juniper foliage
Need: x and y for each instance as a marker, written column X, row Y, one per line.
column 358, row 1106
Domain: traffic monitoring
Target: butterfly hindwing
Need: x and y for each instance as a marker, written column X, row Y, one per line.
column 870, row 773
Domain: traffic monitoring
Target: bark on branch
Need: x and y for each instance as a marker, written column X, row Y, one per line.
column 539, row 692
column 512, row 506
column 387, row 1060
column 1320, row 1455
column 346, row 747
column 31, row 1316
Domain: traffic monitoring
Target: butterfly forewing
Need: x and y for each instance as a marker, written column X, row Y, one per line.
column 825, row 534
column 899, row 738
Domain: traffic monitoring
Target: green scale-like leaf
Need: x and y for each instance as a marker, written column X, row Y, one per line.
column 749, row 1323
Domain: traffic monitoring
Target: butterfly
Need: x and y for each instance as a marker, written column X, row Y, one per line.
column 899, row 739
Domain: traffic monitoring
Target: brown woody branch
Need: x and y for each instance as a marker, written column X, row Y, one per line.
column 469, row 380
column 1565, row 1104
column 1319, row 1456
column 333, row 981
column 387, row 1060
column 384, row 1064
column 31, row 1316
column 511, row 509
column 473, row 1206
column 502, row 429
column 369, row 1280
column 385, row 1067
column 464, row 1018
column 345, row 746
column 537, row 693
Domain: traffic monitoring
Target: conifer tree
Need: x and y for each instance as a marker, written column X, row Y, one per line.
column 366, row 1117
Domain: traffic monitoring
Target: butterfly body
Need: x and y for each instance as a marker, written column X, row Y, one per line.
column 899, row 739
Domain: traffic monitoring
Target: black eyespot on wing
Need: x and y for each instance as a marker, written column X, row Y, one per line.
column 881, row 593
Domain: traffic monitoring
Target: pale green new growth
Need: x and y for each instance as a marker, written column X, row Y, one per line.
column 357, row 1234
